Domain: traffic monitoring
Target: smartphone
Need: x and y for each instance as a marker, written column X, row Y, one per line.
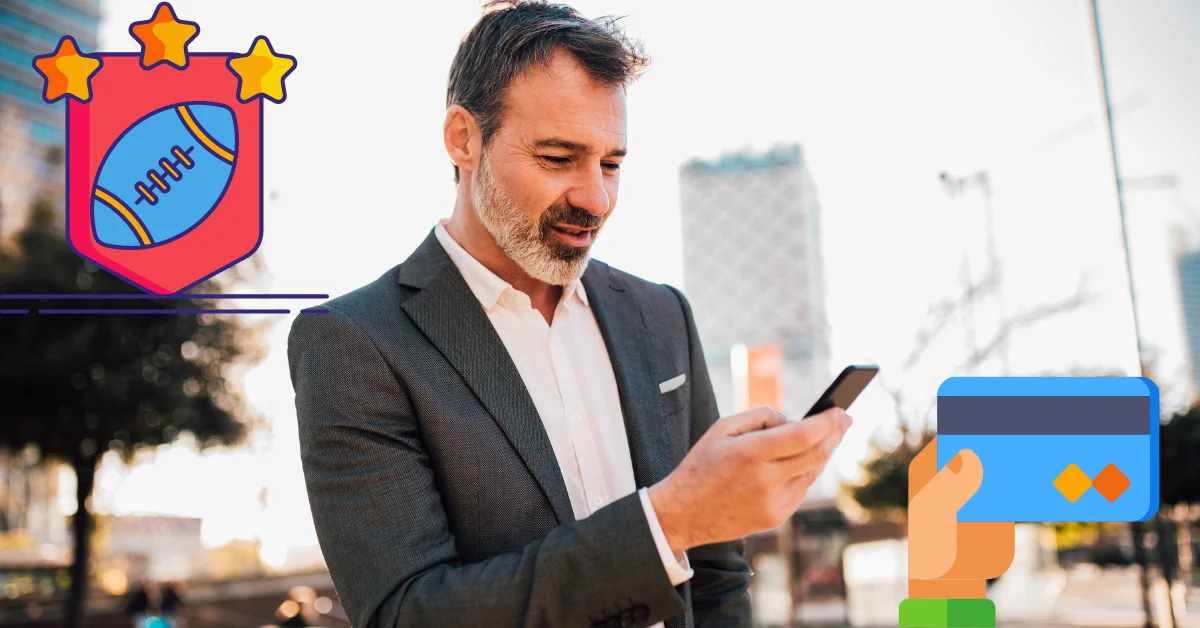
column 845, row 389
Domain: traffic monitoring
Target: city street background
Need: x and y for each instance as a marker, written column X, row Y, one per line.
column 923, row 185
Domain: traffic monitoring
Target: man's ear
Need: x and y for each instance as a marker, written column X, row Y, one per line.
column 460, row 133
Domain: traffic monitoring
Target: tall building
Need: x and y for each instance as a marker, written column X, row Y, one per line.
column 753, row 269
column 29, row 127
column 1189, row 294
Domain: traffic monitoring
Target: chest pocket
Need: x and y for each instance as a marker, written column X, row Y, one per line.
column 676, row 395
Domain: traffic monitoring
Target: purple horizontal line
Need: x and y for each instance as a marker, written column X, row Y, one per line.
column 164, row 296
column 115, row 311
column 14, row 311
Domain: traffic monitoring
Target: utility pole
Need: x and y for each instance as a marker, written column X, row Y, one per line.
column 1138, row 529
column 1117, row 182
column 955, row 187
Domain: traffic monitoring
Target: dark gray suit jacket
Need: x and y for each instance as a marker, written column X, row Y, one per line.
column 436, row 494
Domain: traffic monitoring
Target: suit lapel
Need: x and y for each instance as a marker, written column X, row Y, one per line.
column 449, row 314
column 628, row 342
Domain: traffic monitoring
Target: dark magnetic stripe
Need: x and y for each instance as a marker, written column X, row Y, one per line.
column 1043, row 415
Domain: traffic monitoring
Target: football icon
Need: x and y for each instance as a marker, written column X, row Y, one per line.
column 164, row 175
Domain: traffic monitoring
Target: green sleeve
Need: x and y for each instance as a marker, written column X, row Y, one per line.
column 947, row 613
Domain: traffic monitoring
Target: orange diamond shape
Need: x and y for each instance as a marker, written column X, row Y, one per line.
column 1072, row 482
column 1111, row 483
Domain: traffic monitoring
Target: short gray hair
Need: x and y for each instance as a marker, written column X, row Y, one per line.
column 513, row 35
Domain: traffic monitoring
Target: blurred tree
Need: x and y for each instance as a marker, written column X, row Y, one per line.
column 1179, row 460
column 886, row 490
column 77, row 385
column 1073, row 534
column 238, row 558
column 1179, row 483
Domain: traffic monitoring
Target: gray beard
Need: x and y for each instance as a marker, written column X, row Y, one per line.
column 526, row 242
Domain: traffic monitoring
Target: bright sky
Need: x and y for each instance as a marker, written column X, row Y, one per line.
column 883, row 96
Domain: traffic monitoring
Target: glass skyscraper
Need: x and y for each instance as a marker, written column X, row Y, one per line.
column 753, row 269
column 31, row 129
column 1189, row 294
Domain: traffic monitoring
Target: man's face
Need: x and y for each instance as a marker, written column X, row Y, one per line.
column 552, row 164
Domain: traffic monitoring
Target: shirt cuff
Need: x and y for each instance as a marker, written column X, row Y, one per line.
column 679, row 570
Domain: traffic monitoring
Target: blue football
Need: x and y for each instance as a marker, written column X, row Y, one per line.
column 164, row 175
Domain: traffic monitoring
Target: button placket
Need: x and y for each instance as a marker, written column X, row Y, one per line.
column 578, row 425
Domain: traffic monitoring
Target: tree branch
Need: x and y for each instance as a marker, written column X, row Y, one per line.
column 948, row 311
column 1027, row 319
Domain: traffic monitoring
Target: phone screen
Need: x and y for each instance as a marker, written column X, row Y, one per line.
column 845, row 389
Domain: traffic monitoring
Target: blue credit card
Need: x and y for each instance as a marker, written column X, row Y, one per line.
column 1054, row 448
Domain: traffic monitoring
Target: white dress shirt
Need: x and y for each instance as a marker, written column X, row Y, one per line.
column 566, row 368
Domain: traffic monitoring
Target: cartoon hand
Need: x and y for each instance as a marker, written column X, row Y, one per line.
column 947, row 558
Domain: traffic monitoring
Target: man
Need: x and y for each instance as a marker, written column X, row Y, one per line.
column 500, row 432
column 139, row 605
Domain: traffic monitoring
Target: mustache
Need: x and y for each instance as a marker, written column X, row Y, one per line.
column 571, row 215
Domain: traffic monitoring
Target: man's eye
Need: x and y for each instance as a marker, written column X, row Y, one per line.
column 612, row 166
column 556, row 160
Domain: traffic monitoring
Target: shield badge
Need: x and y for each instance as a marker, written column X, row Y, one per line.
column 164, row 152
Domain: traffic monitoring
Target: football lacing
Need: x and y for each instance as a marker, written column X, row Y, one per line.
column 158, row 180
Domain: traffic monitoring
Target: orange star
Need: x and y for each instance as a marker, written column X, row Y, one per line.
column 164, row 38
column 261, row 72
column 67, row 72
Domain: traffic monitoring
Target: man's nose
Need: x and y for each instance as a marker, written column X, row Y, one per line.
column 590, row 193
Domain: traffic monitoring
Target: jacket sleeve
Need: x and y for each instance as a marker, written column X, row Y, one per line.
column 721, row 583
column 384, row 532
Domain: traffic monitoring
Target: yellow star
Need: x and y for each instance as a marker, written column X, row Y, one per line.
column 164, row 38
column 261, row 71
column 67, row 72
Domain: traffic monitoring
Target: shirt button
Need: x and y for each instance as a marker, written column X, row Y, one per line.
column 597, row 500
column 575, row 418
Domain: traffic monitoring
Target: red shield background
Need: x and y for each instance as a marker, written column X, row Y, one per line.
column 123, row 92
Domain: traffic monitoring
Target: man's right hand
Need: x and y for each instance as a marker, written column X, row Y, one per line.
column 747, row 473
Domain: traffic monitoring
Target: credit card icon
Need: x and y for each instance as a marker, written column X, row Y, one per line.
column 1055, row 448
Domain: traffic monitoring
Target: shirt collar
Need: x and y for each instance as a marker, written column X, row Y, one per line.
column 575, row 288
column 487, row 286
